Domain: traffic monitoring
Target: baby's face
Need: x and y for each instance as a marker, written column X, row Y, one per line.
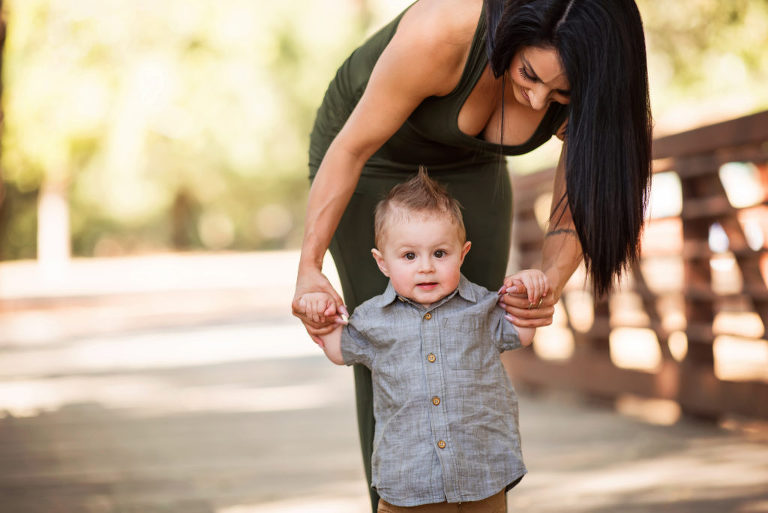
column 422, row 256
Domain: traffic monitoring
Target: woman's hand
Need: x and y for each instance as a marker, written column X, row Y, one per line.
column 313, row 290
column 514, row 298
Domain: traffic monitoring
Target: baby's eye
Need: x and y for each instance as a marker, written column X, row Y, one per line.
column 410, row 256
column 439, row 253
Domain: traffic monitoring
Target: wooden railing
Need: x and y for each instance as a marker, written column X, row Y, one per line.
column 698, row 294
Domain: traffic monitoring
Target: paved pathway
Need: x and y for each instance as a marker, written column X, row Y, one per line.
column 140, row 403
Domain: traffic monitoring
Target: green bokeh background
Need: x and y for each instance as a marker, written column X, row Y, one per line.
column 183, row 124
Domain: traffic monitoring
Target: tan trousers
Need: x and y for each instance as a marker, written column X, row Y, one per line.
column 494, row 504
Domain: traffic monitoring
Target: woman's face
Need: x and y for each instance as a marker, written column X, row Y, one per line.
column 538, row 78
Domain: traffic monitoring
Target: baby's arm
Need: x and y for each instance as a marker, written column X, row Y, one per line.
column 525, row 334
column 332, row 345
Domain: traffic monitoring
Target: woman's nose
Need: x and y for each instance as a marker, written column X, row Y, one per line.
column 538, row 98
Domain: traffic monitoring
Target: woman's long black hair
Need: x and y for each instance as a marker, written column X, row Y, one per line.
column 608, row 157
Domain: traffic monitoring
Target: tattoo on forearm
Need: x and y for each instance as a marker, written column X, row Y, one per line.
column 561, row 230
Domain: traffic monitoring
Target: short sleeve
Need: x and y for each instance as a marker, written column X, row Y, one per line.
column 504, row 333
column 355, row 347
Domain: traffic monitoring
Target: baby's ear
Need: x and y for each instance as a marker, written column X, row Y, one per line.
column 380, row 261
column 465, row 250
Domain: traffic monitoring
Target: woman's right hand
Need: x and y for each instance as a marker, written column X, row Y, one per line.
column 314, row 281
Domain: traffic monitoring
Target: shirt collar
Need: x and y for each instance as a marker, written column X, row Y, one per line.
column 387, row 297
column 465, row 290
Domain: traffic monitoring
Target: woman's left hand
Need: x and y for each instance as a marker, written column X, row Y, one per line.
column 514, row 299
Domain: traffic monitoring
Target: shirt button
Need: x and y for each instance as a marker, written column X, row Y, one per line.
column 435, row 400
column 431, row 358
column 441, row 444
column 427, row 316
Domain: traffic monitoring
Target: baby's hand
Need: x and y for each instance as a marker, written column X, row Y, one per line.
column 318, row 306
column 533, row 281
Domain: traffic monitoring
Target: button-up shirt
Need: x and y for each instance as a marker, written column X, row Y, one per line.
column 446, row 413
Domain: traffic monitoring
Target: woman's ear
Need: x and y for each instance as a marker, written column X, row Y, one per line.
column 380, row 261
column 465, row 250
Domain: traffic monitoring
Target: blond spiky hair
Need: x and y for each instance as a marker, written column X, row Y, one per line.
column 419, row 195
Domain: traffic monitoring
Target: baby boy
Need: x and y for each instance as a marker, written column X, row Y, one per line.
column 445, row 410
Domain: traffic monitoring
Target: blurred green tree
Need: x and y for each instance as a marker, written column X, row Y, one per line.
column 183, row 124
column 170, row 124
column 707, row 59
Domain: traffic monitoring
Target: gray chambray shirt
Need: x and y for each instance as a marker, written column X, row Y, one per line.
column 446, row 413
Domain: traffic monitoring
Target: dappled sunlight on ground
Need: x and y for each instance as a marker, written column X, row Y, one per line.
column 214, row 400
column 200, row 345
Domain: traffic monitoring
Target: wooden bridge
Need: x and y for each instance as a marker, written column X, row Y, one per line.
column 697, row 303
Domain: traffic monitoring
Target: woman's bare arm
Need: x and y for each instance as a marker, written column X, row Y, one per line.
column 561, row 255
column 561, row 251
column 424, row 58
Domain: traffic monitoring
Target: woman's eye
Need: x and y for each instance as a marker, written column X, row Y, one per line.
column 439, row 253
column 524, row 73
column 410, row 256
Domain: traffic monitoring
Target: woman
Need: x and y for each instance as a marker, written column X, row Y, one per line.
column 455, row 85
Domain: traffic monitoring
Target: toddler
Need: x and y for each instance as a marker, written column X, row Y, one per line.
column 446, row 413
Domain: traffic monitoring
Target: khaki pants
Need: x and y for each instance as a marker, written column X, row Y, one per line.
column 494, row 504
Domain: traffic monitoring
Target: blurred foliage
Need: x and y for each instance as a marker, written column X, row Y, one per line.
column 183, row 124
column 173, row 124
column 18, row 222
column 707, row 59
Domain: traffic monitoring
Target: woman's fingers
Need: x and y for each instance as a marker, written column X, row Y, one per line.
column 320, row 330
column 529, row 323
column 523, row 315
column 526, row 308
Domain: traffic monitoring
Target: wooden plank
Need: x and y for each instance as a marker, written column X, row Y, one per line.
column 701, row 392
column 595, row 375
column 736, row 132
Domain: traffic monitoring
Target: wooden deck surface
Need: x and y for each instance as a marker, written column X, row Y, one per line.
column 211, row 400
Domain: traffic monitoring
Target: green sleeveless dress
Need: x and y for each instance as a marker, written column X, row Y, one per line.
column 472, row 169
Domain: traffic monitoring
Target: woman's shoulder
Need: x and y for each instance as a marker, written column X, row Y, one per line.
column 445, row 21
column 441, row 31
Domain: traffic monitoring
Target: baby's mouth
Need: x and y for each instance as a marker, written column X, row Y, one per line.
column 428, row 285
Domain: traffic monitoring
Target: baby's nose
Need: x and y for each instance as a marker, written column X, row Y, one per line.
column 427, row 265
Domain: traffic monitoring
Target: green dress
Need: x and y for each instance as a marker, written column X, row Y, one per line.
column 472, row 169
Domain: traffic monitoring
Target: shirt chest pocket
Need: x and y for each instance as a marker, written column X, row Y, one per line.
column 465, row 344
